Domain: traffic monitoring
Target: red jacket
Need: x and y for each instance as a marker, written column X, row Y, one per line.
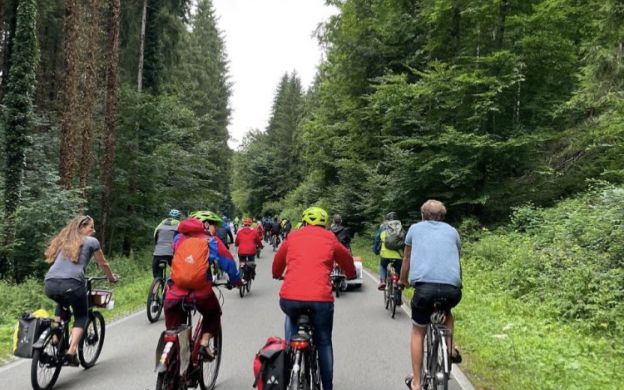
column 247, row 240
column 260, row 231
column 308, row 257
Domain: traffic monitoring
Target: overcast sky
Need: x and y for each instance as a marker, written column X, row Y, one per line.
column 264, row 39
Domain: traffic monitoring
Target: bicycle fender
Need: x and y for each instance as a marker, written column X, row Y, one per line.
column 39, row 343
column 162, row 362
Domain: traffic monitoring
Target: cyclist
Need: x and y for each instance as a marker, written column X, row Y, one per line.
column 276, row 229
column 386, row 255
column 342, row 233
column 69, row 253
column 247, row 240
column 287, row 226
column 267, row 224
column 204, row 298
column 432, row 251
column 236, row 224
column 163, row 237
column 224, row 232
column 260, row 229
column 308, row 257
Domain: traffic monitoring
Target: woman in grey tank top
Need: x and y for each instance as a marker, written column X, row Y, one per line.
column 69, row 253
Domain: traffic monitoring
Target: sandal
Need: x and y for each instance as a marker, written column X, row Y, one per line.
column 72, row 360
column 206, row 354
column 408, row 382
column 456, row 356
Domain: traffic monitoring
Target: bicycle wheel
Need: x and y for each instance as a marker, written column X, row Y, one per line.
column 92, row 340
column 241, row 291
column 210, row 369
column 248, row 285
column 429, row 358
column 388, row 294
column 45, row 366
column 155, row 300
column 441, row 376
column 396, row 298
column 336, row 289
column 169, row 379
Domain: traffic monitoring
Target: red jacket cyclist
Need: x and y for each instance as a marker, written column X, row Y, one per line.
column 308, row 257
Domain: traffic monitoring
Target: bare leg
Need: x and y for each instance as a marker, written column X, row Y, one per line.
column 205, row 339
column 449, row 322
column 416, row 347
column 76, row 335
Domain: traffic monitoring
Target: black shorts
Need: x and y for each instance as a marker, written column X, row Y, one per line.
column 425, row 294
column 246, row 258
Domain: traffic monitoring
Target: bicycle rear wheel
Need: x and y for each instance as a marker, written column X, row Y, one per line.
column 169, row 380
column 210, row 369
column 92, row 340
column 241, row 291
column 155, row 300
column 441, row 376
column 45, row 366
column 396, row 299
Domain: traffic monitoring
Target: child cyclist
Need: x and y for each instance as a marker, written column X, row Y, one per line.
column 247, row 240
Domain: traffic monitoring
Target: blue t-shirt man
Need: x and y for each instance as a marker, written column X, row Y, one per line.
column 435, row 253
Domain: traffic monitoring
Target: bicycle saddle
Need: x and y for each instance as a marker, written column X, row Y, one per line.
column 303, row 320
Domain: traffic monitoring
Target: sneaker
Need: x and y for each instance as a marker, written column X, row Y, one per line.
column 72, row 360
column 206, row 354
column 455, row 356
column 381, row 286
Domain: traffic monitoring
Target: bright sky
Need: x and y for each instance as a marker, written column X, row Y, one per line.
column 264, row 39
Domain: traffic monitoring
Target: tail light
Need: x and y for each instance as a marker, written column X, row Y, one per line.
column 299, row 344
column 395, row 278
column 170, row 338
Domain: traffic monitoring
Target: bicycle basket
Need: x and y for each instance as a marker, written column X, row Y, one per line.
column 100, row 297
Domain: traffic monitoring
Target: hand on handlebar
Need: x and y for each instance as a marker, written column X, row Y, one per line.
column 116, row 278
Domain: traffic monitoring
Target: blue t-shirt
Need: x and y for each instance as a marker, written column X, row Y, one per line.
column 435, row 253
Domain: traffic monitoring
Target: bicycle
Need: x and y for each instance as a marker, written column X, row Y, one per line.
column 275, row 241
column 436, row 367
column 393, row 291
column 51, row 347
column 156, row 294
column 248, row 274
column 179, row 365
column 338, row 280
column 303, row 355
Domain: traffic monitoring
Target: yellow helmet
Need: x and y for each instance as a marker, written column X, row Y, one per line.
column 315, row 216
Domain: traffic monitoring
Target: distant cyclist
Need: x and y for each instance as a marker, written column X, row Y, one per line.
column 224, row 232
column 308, row 258
column 276, row 229
column 69, row 252
column 431, row 262
column 387, row 255
column 236, row 224
column 287, row 226
column 200, row 293
column 342, row 233
column 163, row 237
column 247, row 241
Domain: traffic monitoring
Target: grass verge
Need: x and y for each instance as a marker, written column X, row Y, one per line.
column 129, row 295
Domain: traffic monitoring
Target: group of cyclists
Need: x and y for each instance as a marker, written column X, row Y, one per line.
column 429, row 262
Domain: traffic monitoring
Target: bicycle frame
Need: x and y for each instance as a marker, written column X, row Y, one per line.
column 304, row 357
column 437, row 357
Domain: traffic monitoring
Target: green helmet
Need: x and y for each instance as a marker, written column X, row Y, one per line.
column 207, row 216
column 315, row 216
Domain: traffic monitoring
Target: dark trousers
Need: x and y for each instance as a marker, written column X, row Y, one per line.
column 158, row 272
column 69, row 293
column 322, row 316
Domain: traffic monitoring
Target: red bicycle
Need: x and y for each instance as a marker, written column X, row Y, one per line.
column 179, row 364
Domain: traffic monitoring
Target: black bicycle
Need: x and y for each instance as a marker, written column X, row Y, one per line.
column 50, row 350
column 248, row 274
column 393, row 291
column 156, row 294
column 303, row 357
column 436, row 368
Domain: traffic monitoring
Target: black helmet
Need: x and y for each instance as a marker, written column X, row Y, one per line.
column 337, row 219
column 391, row 216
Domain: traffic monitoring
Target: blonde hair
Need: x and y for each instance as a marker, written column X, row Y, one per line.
column 69, row 240
column 433, row 210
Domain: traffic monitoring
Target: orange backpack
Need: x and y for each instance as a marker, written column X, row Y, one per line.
column 190, row 263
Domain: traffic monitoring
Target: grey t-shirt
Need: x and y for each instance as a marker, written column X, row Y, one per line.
column 435, row 253
column 64, row 268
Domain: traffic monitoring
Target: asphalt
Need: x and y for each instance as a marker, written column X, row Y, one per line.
column 371, row 350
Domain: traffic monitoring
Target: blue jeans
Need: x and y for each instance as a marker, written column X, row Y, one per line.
column 322, row 316
column 383, row 267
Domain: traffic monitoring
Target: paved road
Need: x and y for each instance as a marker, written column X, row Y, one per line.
column 370, row 349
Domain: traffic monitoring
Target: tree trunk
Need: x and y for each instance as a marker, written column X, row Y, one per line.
column 91, row 50
column 18, row 100
column 69, row 115
column 9, row 10
column 142, row 47
column 500, row 30
column 110, row 116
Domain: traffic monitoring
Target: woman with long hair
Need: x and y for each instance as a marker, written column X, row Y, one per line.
column 69, row 253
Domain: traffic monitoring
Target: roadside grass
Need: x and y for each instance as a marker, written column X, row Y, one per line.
column 129, row 296
column 514, row 343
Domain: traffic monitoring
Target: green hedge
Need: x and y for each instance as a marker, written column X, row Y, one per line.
column 129, row 295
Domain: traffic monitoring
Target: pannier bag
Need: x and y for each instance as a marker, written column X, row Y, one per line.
column 269, row 365
column 29, row 327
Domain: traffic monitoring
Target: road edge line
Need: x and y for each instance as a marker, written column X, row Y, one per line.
column 456, row 372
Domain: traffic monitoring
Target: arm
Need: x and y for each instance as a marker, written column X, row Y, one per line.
column 237, row 241
column 229, row 231
column 279, row 262
column 101, row 261
column 377, row 242
column 343, row 257
column 405, row 266
column 226, row 261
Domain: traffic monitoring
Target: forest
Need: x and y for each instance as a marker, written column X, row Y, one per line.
column 511, row 112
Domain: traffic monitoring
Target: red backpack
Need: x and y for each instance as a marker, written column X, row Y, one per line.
column 190, row 264
column 269, row 365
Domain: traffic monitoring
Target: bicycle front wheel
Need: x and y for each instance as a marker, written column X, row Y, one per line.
column 45, row 366
column 92, row 340
column 155, row 300
column 210, row 369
